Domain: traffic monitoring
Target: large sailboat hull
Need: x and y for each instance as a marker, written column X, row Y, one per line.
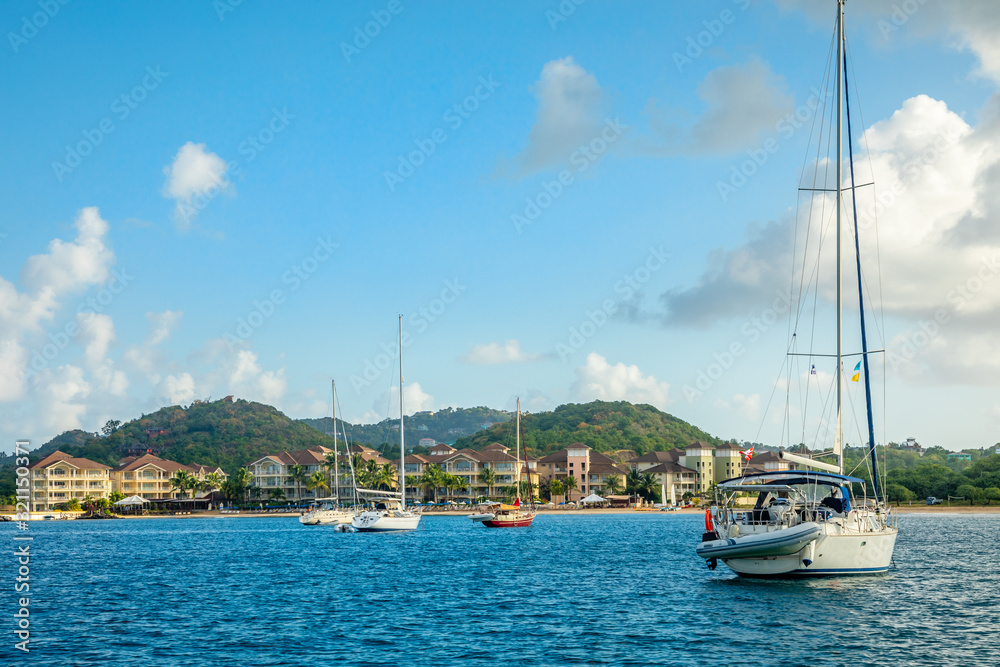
column 381, row 522
column 830, row 555
column 326, row 517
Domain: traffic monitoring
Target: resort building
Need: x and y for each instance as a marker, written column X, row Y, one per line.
column 728, row 462
column 274, row 471
column 589, row 469
column 59, row 477
column 669, row 472
column 700, row 457
column 149, row 476
column 467, row 465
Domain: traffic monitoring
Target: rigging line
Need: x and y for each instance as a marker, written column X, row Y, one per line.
column 818, row 118
column 880, row 325
column 861, row 302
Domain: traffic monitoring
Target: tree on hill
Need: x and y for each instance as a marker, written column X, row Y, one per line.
column 603, row 426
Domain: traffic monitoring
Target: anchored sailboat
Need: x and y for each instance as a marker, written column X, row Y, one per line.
column 810, row 522
column 327, row 511
column 500, row 515
column 388, row 510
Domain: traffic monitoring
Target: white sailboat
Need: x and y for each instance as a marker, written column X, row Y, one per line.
column 327, row 511
column 387, row 511
column 809, row 522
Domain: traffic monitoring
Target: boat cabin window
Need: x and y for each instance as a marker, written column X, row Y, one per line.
column 380, row 506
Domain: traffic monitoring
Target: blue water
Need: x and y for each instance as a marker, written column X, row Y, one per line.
column 570, row 590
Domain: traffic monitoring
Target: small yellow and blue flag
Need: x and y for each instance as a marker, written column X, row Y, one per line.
column 857, row 372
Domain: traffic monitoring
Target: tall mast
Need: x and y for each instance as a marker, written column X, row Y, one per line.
column 402, row 447
column 336, row 456
column 517, row 449
column 838, row 444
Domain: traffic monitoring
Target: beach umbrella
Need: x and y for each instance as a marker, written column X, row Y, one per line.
column 592, row 498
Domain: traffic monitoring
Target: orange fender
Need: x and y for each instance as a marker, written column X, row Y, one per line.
column 709, row 528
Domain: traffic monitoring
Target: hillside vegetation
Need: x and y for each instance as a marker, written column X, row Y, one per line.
column 602, row 426
column 222, row 433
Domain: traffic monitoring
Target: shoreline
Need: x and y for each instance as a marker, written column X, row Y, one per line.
column 215, row 514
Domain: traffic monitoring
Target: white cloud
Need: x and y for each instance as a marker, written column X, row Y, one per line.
column 386, row 406
column 742, row 404
column 195, row 175
column 743, row 105
column 161, row 325
column 74, row 265
column 248, row 380
column 571, row 108
column 61, row 395
column 597, row 379
column 509, row 352
column 178, row 389
column 68, row 268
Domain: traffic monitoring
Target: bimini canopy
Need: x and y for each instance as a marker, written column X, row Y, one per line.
column 790, row 478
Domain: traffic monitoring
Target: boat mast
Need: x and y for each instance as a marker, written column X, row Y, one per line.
column 517, row 451
column 402, row 447
column 336, row 457
column 838, row 443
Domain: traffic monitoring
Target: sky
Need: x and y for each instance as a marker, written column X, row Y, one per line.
column 565, row 201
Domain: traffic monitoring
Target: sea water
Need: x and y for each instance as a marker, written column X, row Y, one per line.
column 621, row 589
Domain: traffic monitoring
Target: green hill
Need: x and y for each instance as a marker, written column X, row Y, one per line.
column 225, row 433
column 602, row 426
column 445, row 425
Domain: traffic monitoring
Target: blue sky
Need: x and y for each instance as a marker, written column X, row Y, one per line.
column 263, row 191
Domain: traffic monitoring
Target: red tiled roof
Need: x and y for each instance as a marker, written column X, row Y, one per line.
column 57, row 457
column 149, row 459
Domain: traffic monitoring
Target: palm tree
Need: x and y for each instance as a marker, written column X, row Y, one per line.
column 317, row 481
column 569, row 484
column 544, row 490
column 650, row 487
column 555, row 488
column 612, row 485
column 214, row 481
column 275, row 495
column 242, row 482
column 183, row 480
column 488, row 476
column 633, row 483
column 432, row 480
column 386, row 475
column 297, row 473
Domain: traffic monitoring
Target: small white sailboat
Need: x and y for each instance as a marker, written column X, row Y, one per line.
column 388, row 511
column 327, row 511
column 810, row 522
